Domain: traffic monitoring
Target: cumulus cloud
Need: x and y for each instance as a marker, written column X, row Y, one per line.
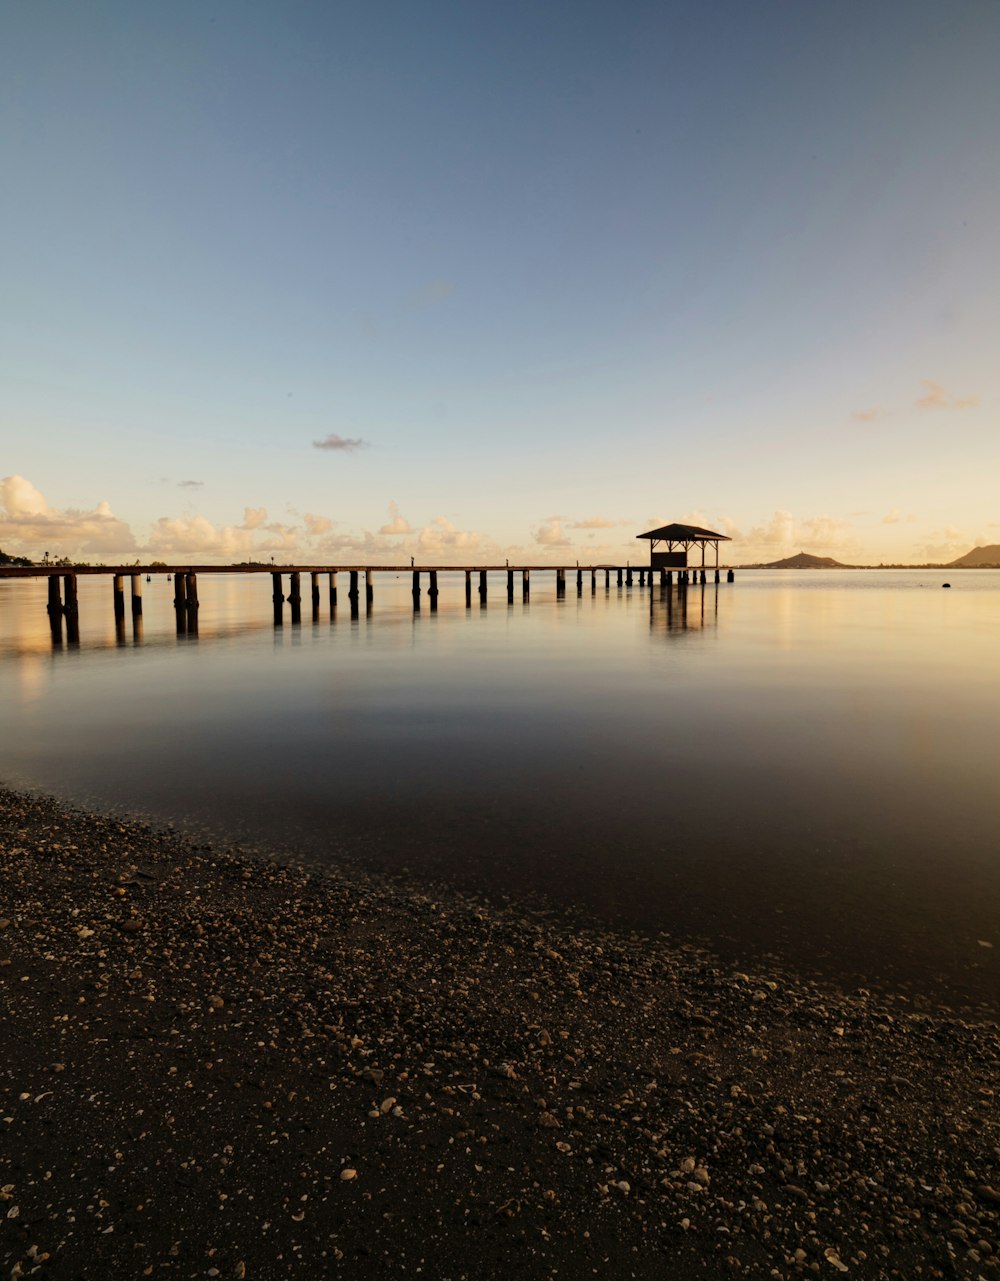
column 254, row 517
column 317, row 525
column 550, row 533
column 892, row 518
column 778, row 532
column 397, row 524
column 29, row 526
column 947, row 543
column 442, row 535
column 187, row 536
column 937, row 398
column 345, row 444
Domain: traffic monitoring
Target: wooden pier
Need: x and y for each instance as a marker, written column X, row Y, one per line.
column 287, row 582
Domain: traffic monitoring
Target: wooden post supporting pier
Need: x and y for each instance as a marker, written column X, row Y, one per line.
column 295, row 595
column 136, row 595
column 369, row 589
column 525, row 584
column 619, row 578
column 314, row 582
column 277, row 598
column 510, row 587
column 579, row 582
column 119, row 591
column 71, row 609
column 560, row 583
column 333, row 593
column 352, row 592
column 192, row 602
column 468, row 588
column 432, row 588
column 482, row 587
column 55, row 608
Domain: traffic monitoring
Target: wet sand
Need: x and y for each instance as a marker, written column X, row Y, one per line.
column 215, row 1065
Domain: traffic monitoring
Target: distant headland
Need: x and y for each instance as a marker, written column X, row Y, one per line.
column 979, row 558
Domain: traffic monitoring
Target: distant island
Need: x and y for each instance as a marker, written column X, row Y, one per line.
column 804, row 560
column 978, row 558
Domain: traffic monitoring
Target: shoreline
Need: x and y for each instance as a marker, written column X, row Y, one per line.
column 212, row 1061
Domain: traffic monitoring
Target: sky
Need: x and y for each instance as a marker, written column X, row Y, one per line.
column 359, row 281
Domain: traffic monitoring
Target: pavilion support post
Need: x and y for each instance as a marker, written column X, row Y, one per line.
column 314, row 593
column 468, row 588
column 482, row 587
column 525, row 583
column 730, row 576
column 607, row 580
column 510, row 586
column 277, row 598
column 333, row 592
column 593, row 582
column 628, row 576
column 717, row 574
column 295, row 595
column 71, row 609
column 136, row 595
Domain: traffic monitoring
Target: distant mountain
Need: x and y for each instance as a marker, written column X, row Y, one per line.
column 977, row 558
column 803, row 560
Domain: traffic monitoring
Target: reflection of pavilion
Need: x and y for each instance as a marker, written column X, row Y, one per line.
column 683, row 609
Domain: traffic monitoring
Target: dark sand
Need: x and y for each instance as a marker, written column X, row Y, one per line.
column 212, row 1065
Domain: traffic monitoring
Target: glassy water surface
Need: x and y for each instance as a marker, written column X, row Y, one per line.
column 799, row 764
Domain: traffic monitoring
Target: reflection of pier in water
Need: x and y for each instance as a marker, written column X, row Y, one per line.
column 63, row 604
column 684, row 608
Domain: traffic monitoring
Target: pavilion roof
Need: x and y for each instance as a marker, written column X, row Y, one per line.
column 685, row 534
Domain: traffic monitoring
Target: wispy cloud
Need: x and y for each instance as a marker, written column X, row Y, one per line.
column 190, row 484
column 938, row 398
column 867, row 415
column 345, row 444
column 596, row 522
column 892, row 518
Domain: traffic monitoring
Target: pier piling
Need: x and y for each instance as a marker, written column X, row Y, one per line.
column 71, row 609
column 525, row 584
column 136, row 595
column 295, row 595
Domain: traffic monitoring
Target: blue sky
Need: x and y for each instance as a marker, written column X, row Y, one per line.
column 563, row 270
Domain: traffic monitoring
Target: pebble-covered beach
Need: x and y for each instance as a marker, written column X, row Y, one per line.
column 214, row 1065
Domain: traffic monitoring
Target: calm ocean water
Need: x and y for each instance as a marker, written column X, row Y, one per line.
column 801, row 764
